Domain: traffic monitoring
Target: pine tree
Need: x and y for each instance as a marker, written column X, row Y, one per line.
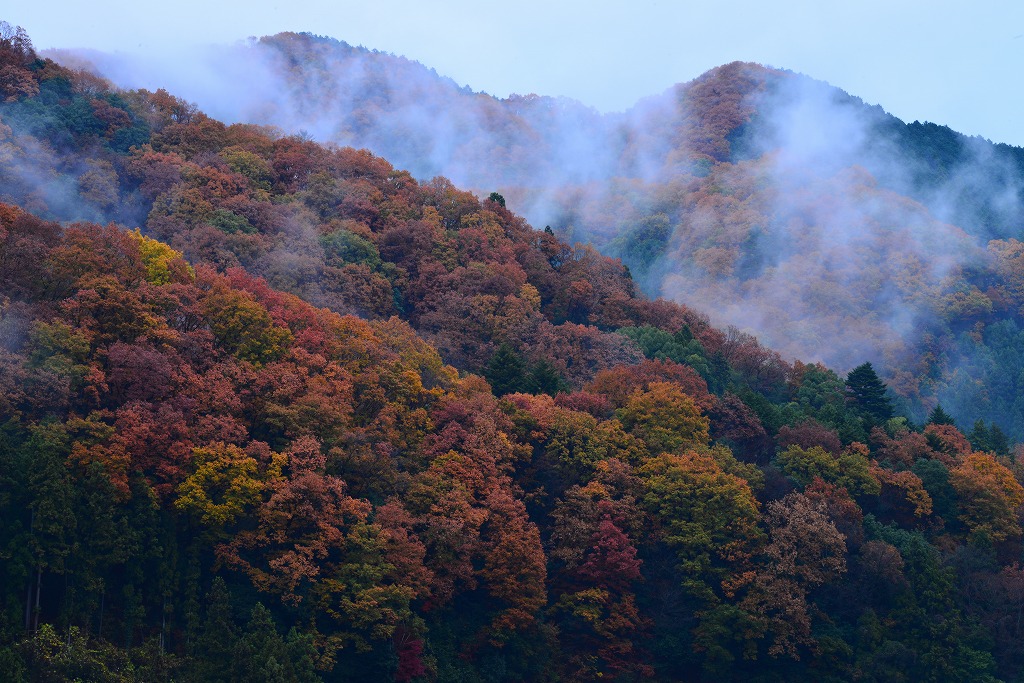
column 216, row 645
column 998, row 441
column 868, row 394
column 51, row 509
column 940, row 417
column 719, row 373
column 261, row 654
column 302, row 654
column 979, row 437
column 683, row 336
column 545, row 379
column 506, row 371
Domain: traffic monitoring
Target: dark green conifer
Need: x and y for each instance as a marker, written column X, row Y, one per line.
column 684, row 336
column 867, row 393
column 545, row 379
column 302, row 654
column 218, row 639
column 979, row 437
column 506, row 371
column 940, row 417
column 719, row 373
column 261, row 654
column 998, row 440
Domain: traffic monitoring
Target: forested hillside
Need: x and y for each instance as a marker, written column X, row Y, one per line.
column 275, row 410
column 778, row 204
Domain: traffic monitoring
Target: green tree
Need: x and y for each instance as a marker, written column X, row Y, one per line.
column 52, row 519
column 708, row 517
column 998, row 440
column 867, row 393
column 224, row 484
column 506, row 371
column 980, row 437
column 243, row 327
column 215, row 647
column 989, row 439
column 665, row 418
column 940, row 417
column 260, row 654
column 545, row 379
column 850, row 469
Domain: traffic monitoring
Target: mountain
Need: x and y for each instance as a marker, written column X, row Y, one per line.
column 772, row 202
column 304, row 417
column 430, row 125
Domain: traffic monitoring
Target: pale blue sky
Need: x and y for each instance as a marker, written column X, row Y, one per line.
column 955, row 63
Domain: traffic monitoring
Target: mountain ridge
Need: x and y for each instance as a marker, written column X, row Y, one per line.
column 436, row 444
column 704, row 190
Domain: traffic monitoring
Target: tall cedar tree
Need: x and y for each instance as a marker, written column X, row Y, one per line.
column 867, row 393
column 545, row 379
column 506, row 371
column 999, row 441
column 980, row 437
column 940, row 417
column 989, row 439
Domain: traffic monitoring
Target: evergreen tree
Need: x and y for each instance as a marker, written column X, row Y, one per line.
column 989, row 438
column 940, row 417
column 262, row 655
column 999, row 441
column 719, row 373
column 545, row 379
column 684, row 335
column 868, row 394
column 506, row 371
column 301, row 654
column 216, row 645
column 51, row 509
column 979, row 437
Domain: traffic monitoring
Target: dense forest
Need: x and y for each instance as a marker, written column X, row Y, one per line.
column 828, row 228
column 274, row 410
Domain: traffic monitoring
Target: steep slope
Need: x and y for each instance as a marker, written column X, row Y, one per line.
column 809, row 234
column 191, row 459
column 340, row 227
column 772, row 202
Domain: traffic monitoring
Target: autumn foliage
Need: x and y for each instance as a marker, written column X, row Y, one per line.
column 276, row 431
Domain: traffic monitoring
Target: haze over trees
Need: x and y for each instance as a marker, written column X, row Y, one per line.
column 277, row 410
column 831, row 230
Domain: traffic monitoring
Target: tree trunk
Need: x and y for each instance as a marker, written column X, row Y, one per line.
column 28, row 604
column 39, row 590
column 28, row 588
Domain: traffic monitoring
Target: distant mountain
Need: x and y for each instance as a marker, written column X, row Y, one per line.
column 430, row 125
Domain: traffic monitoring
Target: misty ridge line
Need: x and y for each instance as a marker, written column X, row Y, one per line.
column 351, row 95
column 524, row 145
column 775, row 203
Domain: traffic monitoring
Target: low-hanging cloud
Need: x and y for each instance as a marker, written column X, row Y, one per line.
column 771, row 201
